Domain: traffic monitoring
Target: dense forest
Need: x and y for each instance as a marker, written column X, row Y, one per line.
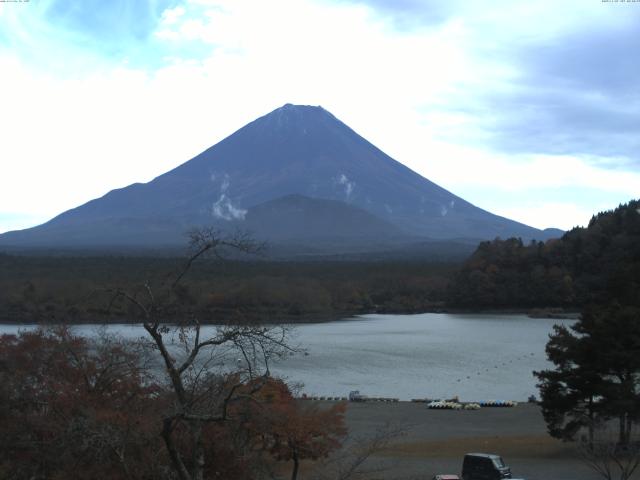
column 596, row 264
column 587, row 265
column 76, row 289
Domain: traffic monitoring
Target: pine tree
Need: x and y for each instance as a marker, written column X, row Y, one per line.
column 597, row 373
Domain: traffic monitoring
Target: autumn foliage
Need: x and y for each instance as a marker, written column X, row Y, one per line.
column 70, row 409
column 292, row 430
column 73, row 408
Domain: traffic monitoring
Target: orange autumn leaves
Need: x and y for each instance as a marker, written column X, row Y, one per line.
column 73, row 408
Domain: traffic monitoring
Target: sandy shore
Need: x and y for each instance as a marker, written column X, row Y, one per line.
column 435, row 441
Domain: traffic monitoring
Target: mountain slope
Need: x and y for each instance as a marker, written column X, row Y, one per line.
column 299, row 218
column 293, row 150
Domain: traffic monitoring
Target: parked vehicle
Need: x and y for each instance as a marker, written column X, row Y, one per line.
column 356, row 396
column 484, row 466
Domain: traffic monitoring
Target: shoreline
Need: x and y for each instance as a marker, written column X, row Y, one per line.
column 542, row 313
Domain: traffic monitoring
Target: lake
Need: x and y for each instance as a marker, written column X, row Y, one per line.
column 477, row 357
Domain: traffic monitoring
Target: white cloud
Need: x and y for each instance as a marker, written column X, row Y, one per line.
column 464, row 167
column 550, row 214
column 171, row 15
column 70, row 138
column 19, row 220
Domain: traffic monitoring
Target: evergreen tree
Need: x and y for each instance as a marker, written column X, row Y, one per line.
column 570, row 393
column 597, row 373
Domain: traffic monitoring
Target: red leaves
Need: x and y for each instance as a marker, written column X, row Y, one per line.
column 74, row 408
column 293, row 429
column 71, row 408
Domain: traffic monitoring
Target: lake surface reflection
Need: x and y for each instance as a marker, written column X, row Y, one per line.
column 477, row 357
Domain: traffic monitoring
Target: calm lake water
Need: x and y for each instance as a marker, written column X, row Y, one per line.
column 477, row 357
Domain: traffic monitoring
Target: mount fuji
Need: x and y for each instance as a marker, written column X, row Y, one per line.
column 297, row 174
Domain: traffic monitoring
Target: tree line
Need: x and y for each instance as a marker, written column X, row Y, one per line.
column 71, row 289
column 595, row 264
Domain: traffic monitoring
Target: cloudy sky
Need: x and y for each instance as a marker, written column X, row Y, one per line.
column 528, row 109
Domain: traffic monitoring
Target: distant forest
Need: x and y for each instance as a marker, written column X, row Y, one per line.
column 587, row 265
column 76, row 289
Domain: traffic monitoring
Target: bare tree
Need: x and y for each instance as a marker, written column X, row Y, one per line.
column 202, row 384
column 354, row 460
column 608, row 457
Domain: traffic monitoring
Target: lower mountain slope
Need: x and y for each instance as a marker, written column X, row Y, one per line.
column 293, row 219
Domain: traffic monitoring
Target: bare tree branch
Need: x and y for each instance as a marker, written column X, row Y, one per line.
column 353, row 461
column 200, row 397
column 610, row 459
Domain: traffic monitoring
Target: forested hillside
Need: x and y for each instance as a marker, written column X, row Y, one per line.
column 596, row 264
